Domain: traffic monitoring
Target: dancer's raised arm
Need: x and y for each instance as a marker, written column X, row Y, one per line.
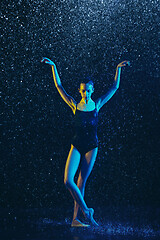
column 67, row 98
column 103, row 99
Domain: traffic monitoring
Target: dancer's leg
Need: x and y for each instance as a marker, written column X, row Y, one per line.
column 86, row 168
column 71, row 167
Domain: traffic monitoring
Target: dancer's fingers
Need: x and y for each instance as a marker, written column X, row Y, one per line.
column 44, row 59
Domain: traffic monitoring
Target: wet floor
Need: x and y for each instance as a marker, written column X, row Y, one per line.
column 114, row 223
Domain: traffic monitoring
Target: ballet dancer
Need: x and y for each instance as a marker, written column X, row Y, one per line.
column 84, row 142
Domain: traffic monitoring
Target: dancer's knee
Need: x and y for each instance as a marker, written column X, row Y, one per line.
column 81, row 183
column 68, row 183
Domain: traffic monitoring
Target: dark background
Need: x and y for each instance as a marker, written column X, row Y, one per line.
column 85, row 39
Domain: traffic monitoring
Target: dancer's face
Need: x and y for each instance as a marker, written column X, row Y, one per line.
column 86, row 91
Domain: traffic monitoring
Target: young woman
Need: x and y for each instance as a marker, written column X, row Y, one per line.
column 85, row 141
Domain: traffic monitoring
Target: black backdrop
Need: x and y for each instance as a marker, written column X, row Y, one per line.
column 84, row 39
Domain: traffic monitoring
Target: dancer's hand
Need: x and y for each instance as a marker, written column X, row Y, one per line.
column 123, row 64
column 48, row 61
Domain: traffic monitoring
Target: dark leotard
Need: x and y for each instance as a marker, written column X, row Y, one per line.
column 85, row 130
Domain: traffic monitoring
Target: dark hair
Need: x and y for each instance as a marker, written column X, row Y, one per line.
column 87, row 80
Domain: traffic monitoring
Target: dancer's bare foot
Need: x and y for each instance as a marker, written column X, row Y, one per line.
column 78, row 223
column 89, row 216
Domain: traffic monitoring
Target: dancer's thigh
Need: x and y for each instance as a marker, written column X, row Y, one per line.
column 72, row 164
column 88, row 163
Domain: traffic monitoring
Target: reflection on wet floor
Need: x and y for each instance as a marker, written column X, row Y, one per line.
column 115, row 223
